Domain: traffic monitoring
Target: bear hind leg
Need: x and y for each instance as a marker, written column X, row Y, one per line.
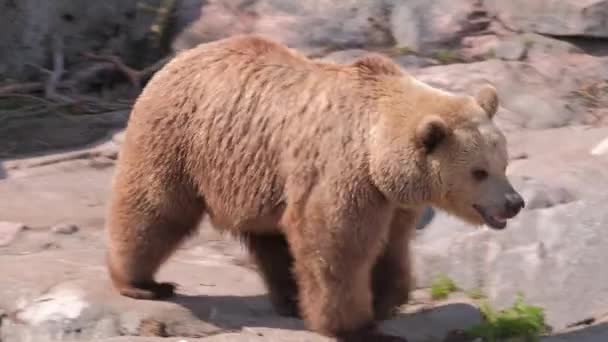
column 140, row 241
column 274, row 261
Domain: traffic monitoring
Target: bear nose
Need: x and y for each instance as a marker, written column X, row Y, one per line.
column 514, row 203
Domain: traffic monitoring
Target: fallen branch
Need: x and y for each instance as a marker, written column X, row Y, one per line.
column 56, row 81
column 26, row 87
column 134, row 76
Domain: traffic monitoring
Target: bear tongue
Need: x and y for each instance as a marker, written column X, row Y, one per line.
column 499, row 218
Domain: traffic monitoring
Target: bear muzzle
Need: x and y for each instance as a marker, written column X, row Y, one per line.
column 513, row 204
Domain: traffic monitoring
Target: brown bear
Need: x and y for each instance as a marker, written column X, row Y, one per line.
column 322, row 169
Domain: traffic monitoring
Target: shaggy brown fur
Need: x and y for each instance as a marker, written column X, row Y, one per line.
column 307, row 161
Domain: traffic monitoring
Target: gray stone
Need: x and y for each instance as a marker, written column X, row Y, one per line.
column 479, row 47
column 550, row 255
column 513, row 49
column 423, row 24
column 345, row 56
column 601, row 148
column 539, row 196
column 553, row 17
column 413, row 62
column 64, row 228
column 311, row 26
column 542, row 46
column 533, row 95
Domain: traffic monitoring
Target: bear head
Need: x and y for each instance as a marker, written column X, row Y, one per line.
column 432, row 147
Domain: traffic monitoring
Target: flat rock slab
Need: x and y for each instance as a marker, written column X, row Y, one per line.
column 220, row 298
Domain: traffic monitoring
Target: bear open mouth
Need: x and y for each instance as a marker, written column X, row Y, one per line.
column 493, row 221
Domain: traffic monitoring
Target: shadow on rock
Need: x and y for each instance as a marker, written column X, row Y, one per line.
column 51, row 132
column 595, row 333
column 434, row 324
column 425, row 219
column 237, row 312
column 2, row 171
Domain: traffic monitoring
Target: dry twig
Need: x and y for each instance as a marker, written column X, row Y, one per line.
column 134, row 76
column 26, row 87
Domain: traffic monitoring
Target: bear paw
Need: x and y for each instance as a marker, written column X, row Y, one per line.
column 149, row 290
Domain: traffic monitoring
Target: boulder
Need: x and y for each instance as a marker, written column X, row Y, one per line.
column 425, row 24
column 553, row 17
column 311, row 26
column 537, row 94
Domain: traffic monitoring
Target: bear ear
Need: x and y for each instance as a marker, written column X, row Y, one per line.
column 431, row 131
column 487, row 98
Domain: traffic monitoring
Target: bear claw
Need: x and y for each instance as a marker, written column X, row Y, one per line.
column 150, row 290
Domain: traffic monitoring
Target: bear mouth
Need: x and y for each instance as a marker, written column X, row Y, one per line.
column 492, row 221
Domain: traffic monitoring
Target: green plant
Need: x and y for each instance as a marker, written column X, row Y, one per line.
column 521, row 320
column 476, row 294
column 446, row 56
column 404, row 50
column 528, row 41
column 490, row 54
column 442, row 286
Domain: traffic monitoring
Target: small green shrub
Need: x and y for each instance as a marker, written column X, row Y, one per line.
column 490, row 54
column 442, row 286
column 404, row 50
column 446, row 56
column 520, row 320
column 476, row 294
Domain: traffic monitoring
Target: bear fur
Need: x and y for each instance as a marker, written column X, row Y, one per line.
column 321, row 169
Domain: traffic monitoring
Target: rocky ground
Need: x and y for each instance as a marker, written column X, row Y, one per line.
column 548, row 60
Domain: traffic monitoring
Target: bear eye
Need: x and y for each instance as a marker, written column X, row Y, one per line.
column 480, row 174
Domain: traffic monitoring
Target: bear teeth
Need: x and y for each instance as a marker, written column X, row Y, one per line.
column 500, row 219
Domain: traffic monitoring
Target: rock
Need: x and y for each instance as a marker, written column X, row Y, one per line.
column 345, row 56
column 557, row 239
column 539, row 46
column 561, row 245
column 479, row 47
column 513, row 49
column 516, row 47
column 61, row 314
column 533, row 95
column 311, row 26
column 119, row 137
column 601, row 148
column 538, row 195
column 424, row 24
column 407, row 61
column 413, row 62
column 64, row 228
column 9, row 232
column 553, row 17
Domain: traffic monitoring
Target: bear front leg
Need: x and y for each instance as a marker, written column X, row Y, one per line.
column 334, row 253
column 392, row 273
column 274, row 261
